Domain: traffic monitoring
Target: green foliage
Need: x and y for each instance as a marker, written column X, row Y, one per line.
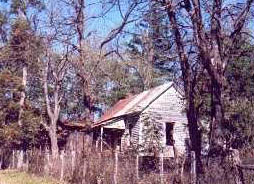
column 240, row 124
column 28, row 135
column 144, row 70
column 24, row 46
column 240, row 74
column 31, row 128
column 9, row 81
column 23, row 49
column 240, row 102
column 11, row 135
column 152, row 132
column 9, row 97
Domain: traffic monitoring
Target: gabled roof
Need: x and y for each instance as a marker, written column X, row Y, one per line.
column 133, row 104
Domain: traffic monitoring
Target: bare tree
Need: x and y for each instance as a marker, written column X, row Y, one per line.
column 82, row 63
column 55, row 68
column 215, row 43
column 75, row 39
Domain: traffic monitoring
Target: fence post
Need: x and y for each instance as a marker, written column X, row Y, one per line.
column 13, row 160
column 26, row 161
column 161, row 168
column 193, row 168
column 37, row 156
column 1, row 159
column 46, row 166
column 73, row 157
column 84, row 171
column 101, row 138
column 116, row 165
column 18, row 159
column 62, row 165
column 73, row 154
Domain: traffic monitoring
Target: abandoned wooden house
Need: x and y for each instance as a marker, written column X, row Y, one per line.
column 126, row 125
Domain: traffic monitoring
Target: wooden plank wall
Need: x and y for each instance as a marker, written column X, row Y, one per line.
column 168, row 108
column 131, row 134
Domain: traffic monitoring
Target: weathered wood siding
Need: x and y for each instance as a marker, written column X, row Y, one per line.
column 79, row 141
column 168, row 108
column 125, row 139
column 131, row 133
column 135, row 133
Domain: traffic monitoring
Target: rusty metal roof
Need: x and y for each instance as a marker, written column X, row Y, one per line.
column 133, row 104
column 116, row 108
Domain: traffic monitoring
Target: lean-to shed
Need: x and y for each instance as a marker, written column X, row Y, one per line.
column 136, row 121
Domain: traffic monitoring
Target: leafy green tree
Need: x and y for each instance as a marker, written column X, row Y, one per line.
column 19, row 54
column 240, row 102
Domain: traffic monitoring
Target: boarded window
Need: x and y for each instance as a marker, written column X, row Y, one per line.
column 169, row 134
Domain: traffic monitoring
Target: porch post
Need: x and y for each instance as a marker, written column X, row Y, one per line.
column 137, row 166
column 96, row 143
column 101, row 138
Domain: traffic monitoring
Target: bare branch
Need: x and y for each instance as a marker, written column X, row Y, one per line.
column 44, row 124
column 125, row 21
column 46, row 94
column 240, row 20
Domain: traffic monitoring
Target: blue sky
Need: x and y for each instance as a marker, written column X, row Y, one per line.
column 93, row 8
column 102, row 26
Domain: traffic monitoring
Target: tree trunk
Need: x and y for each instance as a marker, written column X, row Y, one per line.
column 189, row 84
column 195, row 134
column 80, row 16
column 53, row 113
column 20, row 159
column 23, row 95
column 54, row 151
column 193, row 168
column 217, row 115
column 53, row 141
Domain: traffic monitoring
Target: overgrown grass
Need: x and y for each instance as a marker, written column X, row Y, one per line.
column 15, row 177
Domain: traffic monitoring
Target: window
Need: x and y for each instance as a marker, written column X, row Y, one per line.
column 169, row 134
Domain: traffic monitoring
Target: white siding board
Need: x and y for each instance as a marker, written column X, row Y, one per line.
column 169, row 107
column 135, row 134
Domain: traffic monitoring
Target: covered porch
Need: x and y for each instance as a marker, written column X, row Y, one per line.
column 109, row 136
